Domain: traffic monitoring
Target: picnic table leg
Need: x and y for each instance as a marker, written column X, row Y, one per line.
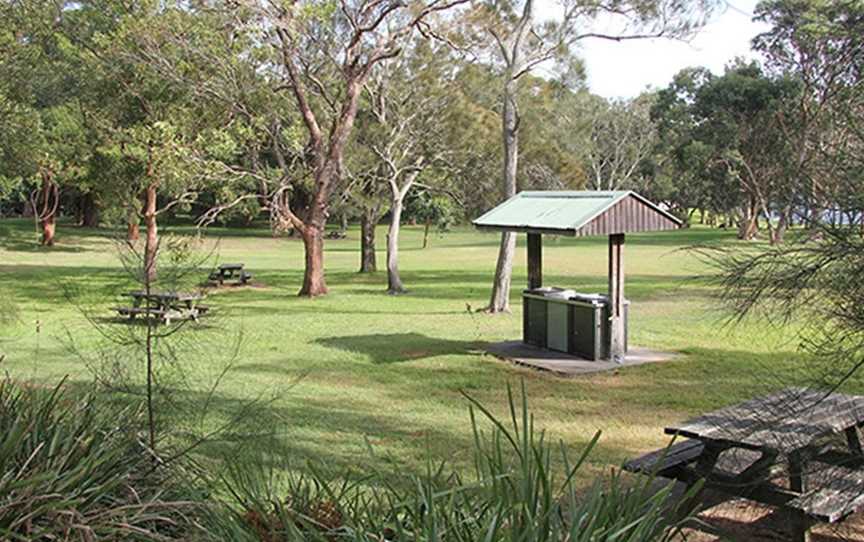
column 853, row 440
column 704, row 465
column 796, row 472
column 800, row 526
column 798, row 483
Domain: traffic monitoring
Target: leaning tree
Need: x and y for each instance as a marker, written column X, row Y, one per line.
column 322, row 54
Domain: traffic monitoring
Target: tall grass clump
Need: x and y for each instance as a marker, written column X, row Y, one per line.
column 73, row 468
column 523, row 489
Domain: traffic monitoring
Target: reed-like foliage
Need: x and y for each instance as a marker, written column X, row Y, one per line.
column 518, row 493
column 73, row 469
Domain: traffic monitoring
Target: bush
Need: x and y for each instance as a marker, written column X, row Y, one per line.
column 516, row 493
column 74, row 469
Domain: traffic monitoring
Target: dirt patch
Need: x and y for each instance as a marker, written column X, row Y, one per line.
column 742, row 520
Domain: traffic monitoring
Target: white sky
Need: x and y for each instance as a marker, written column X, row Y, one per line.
column 625, row 69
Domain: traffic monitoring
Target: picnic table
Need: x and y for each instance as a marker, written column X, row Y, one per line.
column 799, row 449
column 165, row 306
column 230, row 271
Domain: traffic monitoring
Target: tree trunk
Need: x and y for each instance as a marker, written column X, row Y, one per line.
column 368, row 261
column 89, row 211
column 151, row 243
column 394, row 281
column 426, row 233
column 313, row 276
column 748, row 225
column 343, row 223
column 49, row 225
column 500, row 299
column 133, row 233
column 782, row 226
column 45, row 208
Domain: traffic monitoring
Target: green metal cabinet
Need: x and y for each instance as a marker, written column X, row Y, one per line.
column 577, row 324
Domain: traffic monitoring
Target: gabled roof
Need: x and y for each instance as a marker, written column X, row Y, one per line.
column 577, row 213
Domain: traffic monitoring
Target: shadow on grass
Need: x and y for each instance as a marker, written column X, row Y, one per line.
column 398, row 347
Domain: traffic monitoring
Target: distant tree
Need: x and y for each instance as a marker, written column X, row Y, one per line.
column 43, row 101
column 519, row 44
column 818, row 44
column 432, row 210
column 407, row 105
column 814, row 279
column 323, row 56
column 622, row 138
column 727, row 130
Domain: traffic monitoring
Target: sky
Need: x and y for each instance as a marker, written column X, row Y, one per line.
column 625, row 69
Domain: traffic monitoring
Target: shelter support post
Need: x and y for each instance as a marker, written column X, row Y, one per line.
column 535, row 261
column 616, row 297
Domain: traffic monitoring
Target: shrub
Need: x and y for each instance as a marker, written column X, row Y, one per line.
column 72, row 468
column 517, row 493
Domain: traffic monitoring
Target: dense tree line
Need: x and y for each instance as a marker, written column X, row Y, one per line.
column 116, row 113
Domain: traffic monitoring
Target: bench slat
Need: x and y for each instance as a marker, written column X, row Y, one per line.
column 837, row 492
column 138, row 310
column 669, row 457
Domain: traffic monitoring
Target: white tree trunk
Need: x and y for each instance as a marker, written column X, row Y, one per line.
column 500, row 298
column 394, row 281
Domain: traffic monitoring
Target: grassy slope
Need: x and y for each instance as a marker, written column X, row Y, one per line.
column 359, row 365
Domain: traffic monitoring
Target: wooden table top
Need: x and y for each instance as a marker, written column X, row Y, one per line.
column 230, row 266
column 173, row 296
column 784, row 422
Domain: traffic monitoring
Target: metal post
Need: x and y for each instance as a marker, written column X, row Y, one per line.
column 616, row 297
column 535, row 261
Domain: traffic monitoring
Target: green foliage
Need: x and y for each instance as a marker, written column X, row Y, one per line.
column 724, row 139
column 73, row 469
column 518, row 493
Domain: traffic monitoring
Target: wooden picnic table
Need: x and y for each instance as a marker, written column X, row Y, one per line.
column 166, row 299
column 164, row 305
column 799, row 449
column 230, row 271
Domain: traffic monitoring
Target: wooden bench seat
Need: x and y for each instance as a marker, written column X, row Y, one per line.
column 135, row 311
column 664, row 459
column 837, row 491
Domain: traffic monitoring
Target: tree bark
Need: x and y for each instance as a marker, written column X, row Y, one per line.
column 394, row 281
column 45, row 208
column 133, row 232
column 782, row 226
column 426, row 233
column 748, row 225
column 500, row 299
column 343, row 223
column 368, row 260
column 89, row 211
column 151, row 242
column 313, row 276
column 49, row 226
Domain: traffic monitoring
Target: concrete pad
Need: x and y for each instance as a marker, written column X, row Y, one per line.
column 563, row 364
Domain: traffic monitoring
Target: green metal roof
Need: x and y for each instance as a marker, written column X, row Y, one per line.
column 577, row 213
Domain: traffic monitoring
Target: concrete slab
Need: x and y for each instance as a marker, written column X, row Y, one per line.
column 563, row 364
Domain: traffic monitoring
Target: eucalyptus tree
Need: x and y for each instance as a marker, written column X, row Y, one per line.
column 819, row 45
column 406, row 131
column 622, row 138
column 728, row 129
column 520, row 43
column 813, row 279
column 322, row 55
column 47, row 132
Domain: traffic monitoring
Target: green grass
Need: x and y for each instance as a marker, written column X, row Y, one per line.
column 359, row 366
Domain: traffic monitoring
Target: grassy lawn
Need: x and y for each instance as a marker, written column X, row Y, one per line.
column 359, row 366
